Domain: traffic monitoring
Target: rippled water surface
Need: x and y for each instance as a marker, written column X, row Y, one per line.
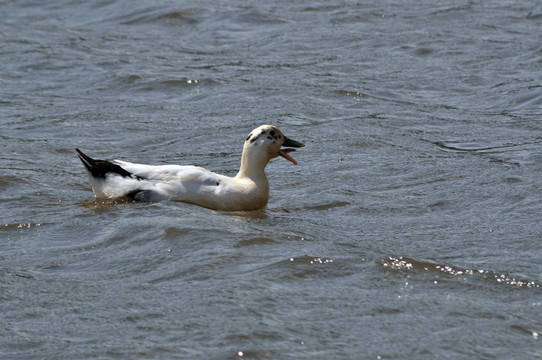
column 411, row 227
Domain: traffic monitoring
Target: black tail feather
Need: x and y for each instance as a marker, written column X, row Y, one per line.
column 86, row 160
column 100, row 168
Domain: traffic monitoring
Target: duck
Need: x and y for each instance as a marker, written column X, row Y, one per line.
column 246, row 191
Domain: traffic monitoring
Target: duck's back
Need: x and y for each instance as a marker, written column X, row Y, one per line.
column 196, row 185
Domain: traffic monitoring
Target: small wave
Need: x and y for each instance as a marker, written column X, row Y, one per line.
column 8, row 181
column 310, row 260
column 152, row 84
column 391, row 96
column 327, row 206
column 253, row 17
column 159, row 87
column 473, row 147
column 306, row 268
column 415, row 265
column 155, row 15
column 300, row 268
column 260, row 240
column 530, row 98
column 12, row 226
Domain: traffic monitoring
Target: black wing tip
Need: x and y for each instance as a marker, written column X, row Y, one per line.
column 85, row 159
column 100, row 168
column 80, row 153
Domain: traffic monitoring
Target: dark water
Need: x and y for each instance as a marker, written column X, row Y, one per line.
column 411, row 227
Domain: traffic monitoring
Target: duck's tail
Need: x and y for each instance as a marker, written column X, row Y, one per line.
column 109, row 180
column 100, row 168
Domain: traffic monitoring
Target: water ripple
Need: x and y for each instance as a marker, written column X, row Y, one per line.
column 405, row 264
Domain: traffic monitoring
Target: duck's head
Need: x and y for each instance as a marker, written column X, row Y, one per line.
column 266, row 142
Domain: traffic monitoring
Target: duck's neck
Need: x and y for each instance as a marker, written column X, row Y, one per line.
column 253, row 167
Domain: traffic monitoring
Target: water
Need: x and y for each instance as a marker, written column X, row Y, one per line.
column 410, row 228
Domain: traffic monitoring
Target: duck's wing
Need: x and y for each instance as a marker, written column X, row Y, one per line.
column 188, row 183
column 176, row 182
column 146, row 182
column 170, row 173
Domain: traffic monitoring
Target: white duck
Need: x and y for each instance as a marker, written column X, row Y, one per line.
column 248, row 190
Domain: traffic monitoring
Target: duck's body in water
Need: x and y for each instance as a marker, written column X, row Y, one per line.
column 248, row 190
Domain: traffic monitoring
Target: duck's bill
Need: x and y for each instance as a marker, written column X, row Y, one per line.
column 284, row 152
column 292, row 143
